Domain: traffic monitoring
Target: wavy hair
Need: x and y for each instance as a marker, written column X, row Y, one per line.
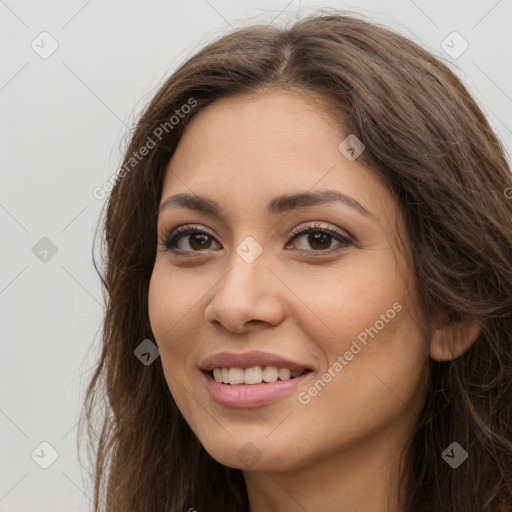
column 430, row 143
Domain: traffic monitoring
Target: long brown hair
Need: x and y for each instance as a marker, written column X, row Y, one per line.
column 429, row 142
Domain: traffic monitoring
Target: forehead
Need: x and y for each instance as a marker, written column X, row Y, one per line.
column 244, row 150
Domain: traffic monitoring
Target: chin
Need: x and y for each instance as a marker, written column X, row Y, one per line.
column 240, row 452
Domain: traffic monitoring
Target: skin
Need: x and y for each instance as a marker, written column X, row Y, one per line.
column 343, row 447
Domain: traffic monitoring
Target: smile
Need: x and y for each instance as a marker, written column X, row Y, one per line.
column 254, row 375
column 253, row 378
column 255, row 394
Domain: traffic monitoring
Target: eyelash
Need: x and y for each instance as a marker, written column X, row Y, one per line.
column 173, row 237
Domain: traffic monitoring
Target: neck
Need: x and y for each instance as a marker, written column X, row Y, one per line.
column 361, row 477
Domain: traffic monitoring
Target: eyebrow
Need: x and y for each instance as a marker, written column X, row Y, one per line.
column 275, row 206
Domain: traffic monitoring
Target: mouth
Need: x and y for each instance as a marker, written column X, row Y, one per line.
column 252, row 378
column 259, row 393
column 254, row 375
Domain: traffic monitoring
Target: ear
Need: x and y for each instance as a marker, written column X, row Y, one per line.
column 452, row 340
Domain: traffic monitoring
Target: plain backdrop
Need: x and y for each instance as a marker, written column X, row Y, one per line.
column 74, row 75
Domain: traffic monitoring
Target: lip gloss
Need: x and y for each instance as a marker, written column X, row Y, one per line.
column 250, row 395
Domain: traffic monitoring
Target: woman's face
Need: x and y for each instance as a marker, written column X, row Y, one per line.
column 340, row 303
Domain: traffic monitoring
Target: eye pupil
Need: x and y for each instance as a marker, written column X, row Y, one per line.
column 319, row 238
column 205, row 240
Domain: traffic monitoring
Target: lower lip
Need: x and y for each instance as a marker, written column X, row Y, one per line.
column 250, row 395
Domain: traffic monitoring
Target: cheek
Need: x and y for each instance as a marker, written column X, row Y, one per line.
column 345, row 302
column 379, row 350
column 171, row 307
column 170, row 299
column 365, row 316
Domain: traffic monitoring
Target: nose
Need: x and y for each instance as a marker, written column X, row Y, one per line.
column 249, row 295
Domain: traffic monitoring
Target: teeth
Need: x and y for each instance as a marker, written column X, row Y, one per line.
column 284, row 373
column 270, row 374
column 217, row 374
column 253, row 375
column 235, row 376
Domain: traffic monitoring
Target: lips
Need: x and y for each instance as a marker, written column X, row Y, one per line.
column 256, row 395
column 244, row 394
column 250, row 359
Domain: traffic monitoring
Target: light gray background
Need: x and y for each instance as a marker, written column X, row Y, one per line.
column 62, row 121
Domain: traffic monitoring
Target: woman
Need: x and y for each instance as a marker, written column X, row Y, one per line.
column 311, row 230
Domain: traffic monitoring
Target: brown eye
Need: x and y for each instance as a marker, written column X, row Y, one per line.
column 316, row 239
column 188, row 239
column 319, row 239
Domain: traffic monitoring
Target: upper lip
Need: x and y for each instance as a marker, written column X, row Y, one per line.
column 249, row 359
